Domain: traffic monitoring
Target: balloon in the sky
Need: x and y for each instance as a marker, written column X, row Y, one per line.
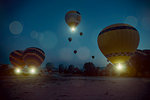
column 93, row 57
column 75, row 51
column 81, row 33
column 33, row 56
column 73, row 19
column 118, row 42
column 16, row 58
column 70, row 39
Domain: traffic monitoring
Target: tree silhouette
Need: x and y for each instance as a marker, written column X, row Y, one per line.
column 89, row 69
column 77, row 71
column 49, row 67
column 71, row 69
column 61, row 68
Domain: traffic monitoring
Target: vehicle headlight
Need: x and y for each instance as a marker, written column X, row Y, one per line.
column 17, row 70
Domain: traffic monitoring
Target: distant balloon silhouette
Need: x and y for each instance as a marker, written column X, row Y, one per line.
column 118, row 42
column 93, row 57
column 33, row 56
column 70, row 39
column 73, row 18
column 75, row 51
column 16, row 58
column 81, row 33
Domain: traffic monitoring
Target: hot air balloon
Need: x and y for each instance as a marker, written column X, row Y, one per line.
column 93, row 57
column 81, row 33
column 75, row 51
column 33, row 56
column 70, row 39
column 73, row 19
column 118, row 42
column 16, row 58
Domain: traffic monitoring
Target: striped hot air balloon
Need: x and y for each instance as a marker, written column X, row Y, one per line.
column 33, row 56
column 118, row 42
column 16, row 58
column 73, row 19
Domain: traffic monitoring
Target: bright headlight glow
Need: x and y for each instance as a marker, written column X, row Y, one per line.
column 18, row 70
column 32, row 70
column 73, row 29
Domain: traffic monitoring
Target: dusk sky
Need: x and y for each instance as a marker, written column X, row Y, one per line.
column 41, row 23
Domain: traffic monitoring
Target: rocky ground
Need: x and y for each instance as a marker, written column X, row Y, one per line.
column 73, row 88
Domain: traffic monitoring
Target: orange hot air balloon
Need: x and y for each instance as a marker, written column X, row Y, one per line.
column 33, row 56
column 118, row 42
column 73, row 19
column 16, row 58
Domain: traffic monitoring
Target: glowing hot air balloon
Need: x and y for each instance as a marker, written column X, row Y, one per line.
column 16, row 58
column 73, row 19
column 33, row 56
column 118, row 42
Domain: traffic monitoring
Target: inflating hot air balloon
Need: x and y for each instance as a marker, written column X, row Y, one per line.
column 70, row 39
column 93, row 57
column 75, row 51
column 73, row 19
column 33, row 56
column 81, row 33
column 118, row 42
column 16, row 58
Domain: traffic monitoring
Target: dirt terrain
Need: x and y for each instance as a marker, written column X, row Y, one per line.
column 73, row 88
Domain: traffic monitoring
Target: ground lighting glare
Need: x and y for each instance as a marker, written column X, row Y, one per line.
column 32, row 70
column 17, row 70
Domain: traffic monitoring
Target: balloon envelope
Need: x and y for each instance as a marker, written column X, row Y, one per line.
column 73, row 18
column 70, row 39
column 16, row 58
column 93, row 57
column 75, row 51
column 33, row 56
column 81, row 33
column 118, row 42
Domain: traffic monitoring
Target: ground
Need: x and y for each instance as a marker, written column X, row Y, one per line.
column 74, row 88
